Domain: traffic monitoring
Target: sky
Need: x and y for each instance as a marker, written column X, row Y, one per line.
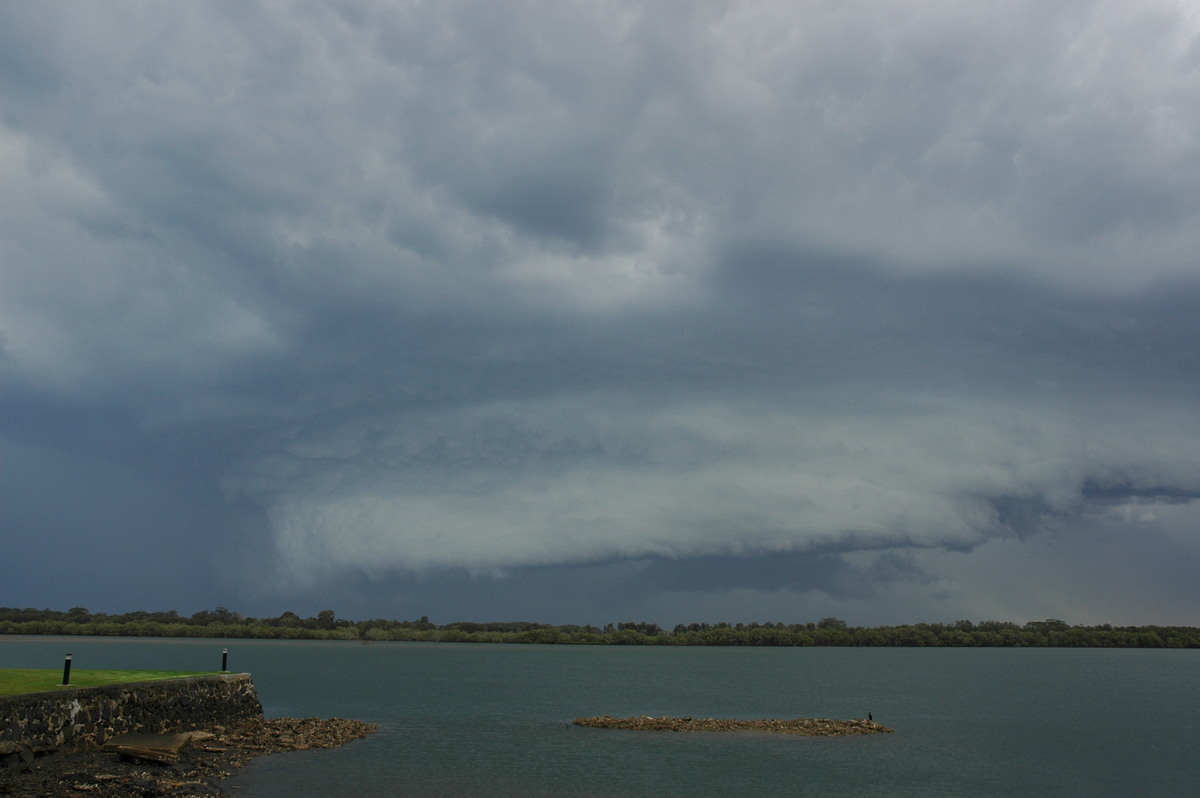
column 588, row 312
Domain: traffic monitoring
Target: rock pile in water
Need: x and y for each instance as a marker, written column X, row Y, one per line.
column 811, row 727
column 262, row 736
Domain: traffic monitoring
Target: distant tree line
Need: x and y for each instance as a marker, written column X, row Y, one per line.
column 825, row 632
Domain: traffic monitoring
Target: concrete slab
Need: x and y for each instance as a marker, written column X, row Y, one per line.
column 163, row 748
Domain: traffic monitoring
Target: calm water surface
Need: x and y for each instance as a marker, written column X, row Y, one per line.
column 485, row 720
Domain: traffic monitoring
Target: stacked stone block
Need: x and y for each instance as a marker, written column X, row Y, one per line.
column 86, row 717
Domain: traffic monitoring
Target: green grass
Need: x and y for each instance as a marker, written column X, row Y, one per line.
column 15, row 681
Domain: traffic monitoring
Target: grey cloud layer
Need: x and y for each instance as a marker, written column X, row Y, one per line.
column 493, row 286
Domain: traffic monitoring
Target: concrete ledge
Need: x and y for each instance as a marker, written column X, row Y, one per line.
column 87, row 717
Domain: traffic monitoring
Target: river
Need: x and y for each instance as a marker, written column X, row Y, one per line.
column 494, row 720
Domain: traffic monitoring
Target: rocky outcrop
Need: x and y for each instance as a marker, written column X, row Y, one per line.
column 811, row 727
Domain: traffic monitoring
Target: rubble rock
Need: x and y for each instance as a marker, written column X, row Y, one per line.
column 809, row 727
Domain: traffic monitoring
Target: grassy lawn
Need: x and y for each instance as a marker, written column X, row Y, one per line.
column 14, row 681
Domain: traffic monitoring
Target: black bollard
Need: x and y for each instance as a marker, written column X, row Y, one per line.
column 67, row 671
column 224, row 660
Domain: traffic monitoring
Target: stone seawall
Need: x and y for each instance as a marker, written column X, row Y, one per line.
column 86, row 717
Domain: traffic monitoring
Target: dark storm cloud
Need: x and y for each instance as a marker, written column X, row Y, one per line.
column 686, row 304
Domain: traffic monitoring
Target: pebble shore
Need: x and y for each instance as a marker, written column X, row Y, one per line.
column 809, row 727
column 202, row 765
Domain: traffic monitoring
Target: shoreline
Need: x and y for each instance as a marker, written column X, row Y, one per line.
column 201, row 769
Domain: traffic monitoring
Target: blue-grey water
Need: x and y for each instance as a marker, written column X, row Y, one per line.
column 494, row 720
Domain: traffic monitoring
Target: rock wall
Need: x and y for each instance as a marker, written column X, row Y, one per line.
column 86, row 717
